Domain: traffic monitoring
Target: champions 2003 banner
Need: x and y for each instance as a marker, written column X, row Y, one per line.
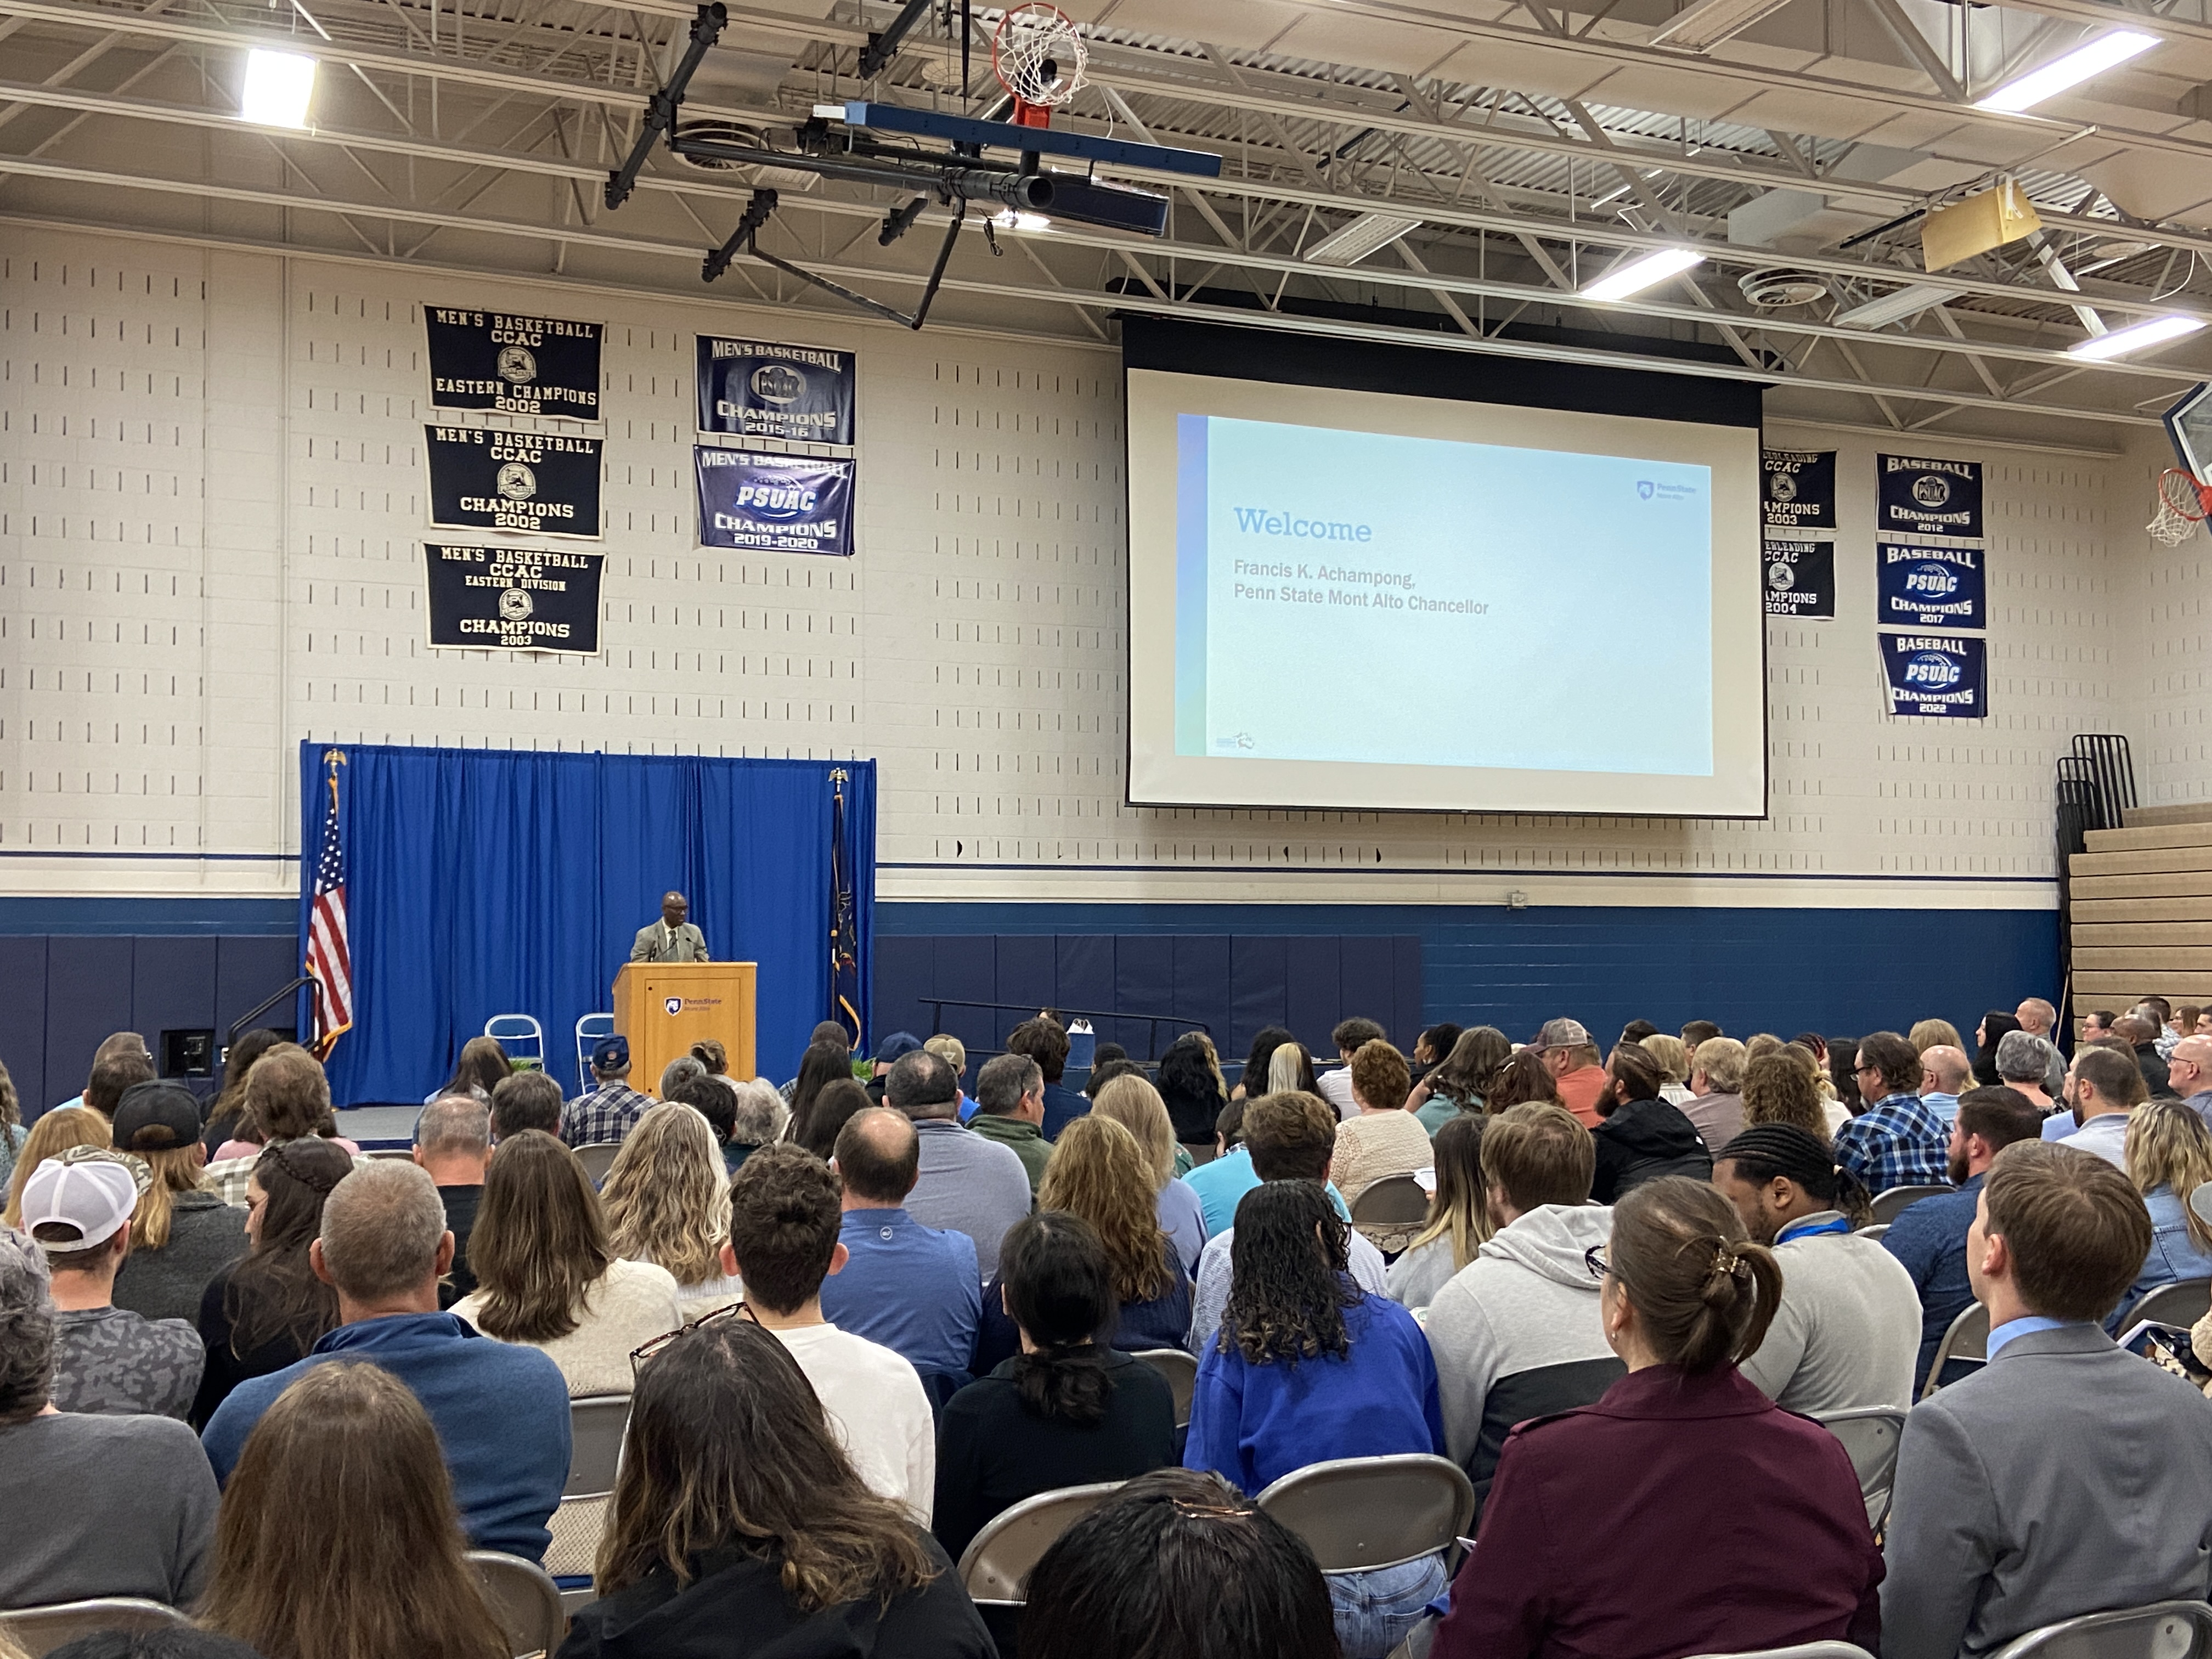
column 759, row 389
column 483, row 479
column 1929, row 587
column 514, row 598
column 1944, row 675
column 513, row 365
column 1799, row 490
column 1928, row 497
column 775, row 503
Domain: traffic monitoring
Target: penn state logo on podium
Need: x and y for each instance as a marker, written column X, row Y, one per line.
column 673, row 1005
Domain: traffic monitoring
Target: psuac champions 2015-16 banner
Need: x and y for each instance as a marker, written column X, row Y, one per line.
column 513, row 365
column 483, row 479
column 775, row 503
column 761, row 389
column 1928, row 497
column 1929, row 587
column 1943, row 675
column 513, row 598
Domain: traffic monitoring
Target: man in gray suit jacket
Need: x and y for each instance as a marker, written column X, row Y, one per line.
column 671, row 939
column 2067, row 1476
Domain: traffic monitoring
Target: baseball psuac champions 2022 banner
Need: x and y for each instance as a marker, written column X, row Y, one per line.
column 513, row 365
column 759, row 389
column 1945, row 675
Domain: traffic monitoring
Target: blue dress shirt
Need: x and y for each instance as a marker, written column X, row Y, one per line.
column 1929, row 1238
column 910, row 1288
column 2026, row 1325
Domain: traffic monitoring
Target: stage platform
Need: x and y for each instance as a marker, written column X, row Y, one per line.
column 376, row 1127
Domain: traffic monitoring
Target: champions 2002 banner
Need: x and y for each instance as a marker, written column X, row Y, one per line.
column 775, row 503
column 485, row 479
column 1943, row 675
column 513, row 365
column 1929, row 587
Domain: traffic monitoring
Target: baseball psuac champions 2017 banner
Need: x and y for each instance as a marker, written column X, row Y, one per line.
column 1800, row 491
column 1945, row 675
column 514, row 598
column 1924, row 497
column 775, row 503
column 513, row 365
column 1929, row 587
column 484, row 479
column 759, row 389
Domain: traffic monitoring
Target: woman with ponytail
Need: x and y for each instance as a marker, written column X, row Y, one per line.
column 1064, row 1411
column 1683, row 1512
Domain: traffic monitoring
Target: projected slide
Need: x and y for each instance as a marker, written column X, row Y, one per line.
column 1366, row 599
column 1355, row 599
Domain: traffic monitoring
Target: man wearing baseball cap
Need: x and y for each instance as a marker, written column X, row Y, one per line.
column 107, row 1358
column 1572, row 1058
column 611, row 1109
column 891, row 1050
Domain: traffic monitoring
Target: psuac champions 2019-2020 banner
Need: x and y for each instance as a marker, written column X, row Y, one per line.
column 775, row 503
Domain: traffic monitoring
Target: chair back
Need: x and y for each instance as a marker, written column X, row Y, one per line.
column 526, row 1603
column 1968, row 1338
column 589, row 1030
column 2164, row 1630
column 2182, row 1303
column 1873, row 1230
column 996, row 1563
column 1888, row 1205
column 41, row 1630
column 520, row 1035
column 598, row 1158
column 1181, row 1373
column 1871, row 1436
column 1360, row 1512
column 596, row 1424
column 388, row 1152
column 1803, row 1650
column 1394, row 1201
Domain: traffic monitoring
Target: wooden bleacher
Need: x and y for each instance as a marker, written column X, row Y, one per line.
column 2142, row 909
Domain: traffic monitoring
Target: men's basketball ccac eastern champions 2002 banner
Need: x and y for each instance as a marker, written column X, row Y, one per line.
column 513, row 365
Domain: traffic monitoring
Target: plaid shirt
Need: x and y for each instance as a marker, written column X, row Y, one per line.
column 227, row 1177
column 607, row 1114
column 1899, row 1141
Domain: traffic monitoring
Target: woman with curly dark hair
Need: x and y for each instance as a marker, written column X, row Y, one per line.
column 1190, row 1085
column 1306, row 1366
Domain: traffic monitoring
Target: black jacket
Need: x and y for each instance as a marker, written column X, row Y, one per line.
column 1643, row 1140
column 736, row 1608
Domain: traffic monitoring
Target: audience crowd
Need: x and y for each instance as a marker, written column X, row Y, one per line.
column 284, row 1385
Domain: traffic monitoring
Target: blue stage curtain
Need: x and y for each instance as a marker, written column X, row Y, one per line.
column 492, row 881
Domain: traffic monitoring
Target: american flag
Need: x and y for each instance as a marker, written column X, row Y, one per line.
column 330, row 959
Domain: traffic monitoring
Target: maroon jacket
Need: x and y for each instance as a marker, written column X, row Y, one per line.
column 1679, row 1515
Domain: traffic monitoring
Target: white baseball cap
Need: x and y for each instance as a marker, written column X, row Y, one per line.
column 94, row 1196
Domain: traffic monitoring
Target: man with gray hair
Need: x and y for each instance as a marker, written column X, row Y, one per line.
column 453, row 1141
column 966, row 1185
column 104, row 1505
column 501, row 1410
column 1009, row 1109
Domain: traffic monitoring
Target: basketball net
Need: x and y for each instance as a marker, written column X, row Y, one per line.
column 1038, row 55
column 2183, row 505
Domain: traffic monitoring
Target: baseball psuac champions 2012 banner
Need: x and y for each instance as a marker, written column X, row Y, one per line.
column 1945, row 675
column 760, row 389
column 514, row 598
column 513, row 365
column 775, row 503
column 485, row 479
column 1928, row 497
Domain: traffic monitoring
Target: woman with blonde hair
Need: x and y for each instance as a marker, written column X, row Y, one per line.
column 1098, row 1172
column 1291, row 1071
column 182, row 1234
column 54, row 1133
column 12, row 1134
column 338, row 1538
column 1459, row 1218
column 1928, row 1034
column 667, row 1202
column 2169, row 1152
column 1132, row 1102
column 1673, row 1057
column 1778, row 1089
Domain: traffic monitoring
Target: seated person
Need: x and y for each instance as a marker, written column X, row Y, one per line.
column 181, row 1234
column 1381, row 1138
column 453, row 1141
column 1640, row 1135
column 2061, row 1422
column 502, row 1412
column 1064, row 1411
column 785, row 1550
column 1683, row 1447
column 2169, row 1153
column 99, row 1505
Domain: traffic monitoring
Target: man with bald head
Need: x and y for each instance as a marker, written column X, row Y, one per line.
column 673, row 938
column 1944, row 1074
column 2139, row 1032
column 912, row 1289
column 2189, row 1072
column 500, row 1409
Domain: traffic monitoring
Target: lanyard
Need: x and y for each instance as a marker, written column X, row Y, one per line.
column 1812, row 1229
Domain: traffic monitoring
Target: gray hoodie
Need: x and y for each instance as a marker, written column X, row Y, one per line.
column 1515, row 1333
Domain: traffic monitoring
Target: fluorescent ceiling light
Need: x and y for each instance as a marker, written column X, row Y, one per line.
column 1014, row 219
column 2086, row 61
column 1639, row 274
column 1363, row 236
column 1894, row 307
column 277, row 87
column 1709, row 22
column 2155, row 330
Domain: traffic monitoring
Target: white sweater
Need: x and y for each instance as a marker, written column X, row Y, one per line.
column 624, row 1309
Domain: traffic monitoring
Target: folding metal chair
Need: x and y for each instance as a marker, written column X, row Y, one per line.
column 2182, row 1303
column 1871, row 1436
column 1888, row 1205
column 589, row 1030
column 521, row 1035
column 1394, row 1201
column 598, row 1158
column 596, row 1425
column 523, row 1599
column 2163, row 1630
column 1968, row 1338
column 41, row 1630
column 996, row 1563
column 1181, row 1373
column 1803, row 1650
column 1356, row 1513
column 1873, row 1230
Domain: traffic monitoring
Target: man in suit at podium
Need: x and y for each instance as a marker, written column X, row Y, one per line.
column 671, row 939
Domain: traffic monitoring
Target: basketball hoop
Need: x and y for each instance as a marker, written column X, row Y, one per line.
column 1038, row 56
column 2183, row 505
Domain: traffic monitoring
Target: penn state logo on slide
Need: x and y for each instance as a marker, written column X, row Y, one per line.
column 1936, row 581
column 1933, row 670
column 1780, row 578
column 517, row 366
column 778, row 383
column 514, row 604
column 673, row 1005
column 517, row 482
column 1643, row 489
column 1782, row 487
column 1929, row 490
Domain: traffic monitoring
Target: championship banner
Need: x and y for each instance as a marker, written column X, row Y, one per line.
column 775, row 503
column 482, row 479
column 1801, row 579
column 1928, row 498
column 514, row 598
column 1799, row 488
column 1931, row 586
column 757, row 389
column 513, row 365
column 1945, row 675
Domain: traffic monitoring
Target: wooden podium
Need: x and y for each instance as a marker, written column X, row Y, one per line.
column 664, row 1007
